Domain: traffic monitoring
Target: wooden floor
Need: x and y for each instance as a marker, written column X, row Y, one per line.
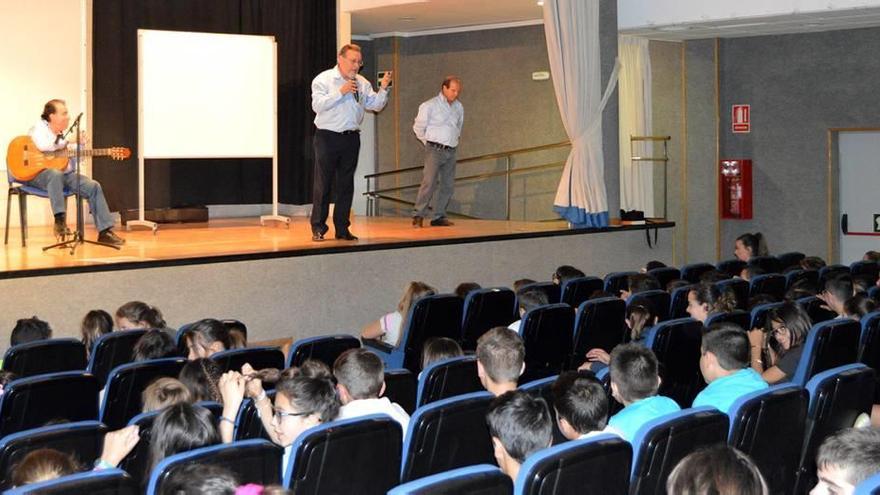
column 244, row 237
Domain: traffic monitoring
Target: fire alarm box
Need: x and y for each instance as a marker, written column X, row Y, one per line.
column 735, row 189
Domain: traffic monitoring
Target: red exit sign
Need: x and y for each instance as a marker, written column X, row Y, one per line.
column 741, row 119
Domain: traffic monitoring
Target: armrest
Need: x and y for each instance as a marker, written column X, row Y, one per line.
column 378, row 345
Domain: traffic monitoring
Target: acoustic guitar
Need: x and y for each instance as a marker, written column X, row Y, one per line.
column 26, row 161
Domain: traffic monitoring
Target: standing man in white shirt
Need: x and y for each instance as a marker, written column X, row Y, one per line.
column 438, row 127
column 339, row 98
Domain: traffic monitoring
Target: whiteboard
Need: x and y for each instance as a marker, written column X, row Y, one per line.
column 206, row 95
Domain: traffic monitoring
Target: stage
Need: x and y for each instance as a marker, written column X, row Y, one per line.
column 282, row 284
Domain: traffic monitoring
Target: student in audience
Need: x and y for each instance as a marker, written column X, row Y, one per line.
column 651, row 265
column 674, row 284
column 639, row 282
column 519, row 284
column 759, row 299
column 95, row 323
column 748, row 246
column 634, row 383
column 565, row 273
column 581, row 405
column 205, row 338
column 712, row 276
column 813, row 263
column 750, row 272
column 43, row 465
column 845, row 459
column 861, row 284
column 237, row 333
column 724, row 363
column 203, row 479
column 360, row 377
column 201, row 377
column 5, row 378
column 639, row 318
column 155, row 344
column 29, row 330
column 600, row 294
column 801, row 288
column 304, row 397
column 464, row 288
column 137, row 314
column 500, row 360
column 837, row 291
column 873, row 256
column 389, row 328
column 781, row 344
column 163, row 392
column 520, row 425
column 438, row 349
column 716, row 470
column 528, row 299
column 706, row 299
column 858, row 306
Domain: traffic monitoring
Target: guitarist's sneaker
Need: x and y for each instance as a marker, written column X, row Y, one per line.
column 108, row 237
column 60, row 228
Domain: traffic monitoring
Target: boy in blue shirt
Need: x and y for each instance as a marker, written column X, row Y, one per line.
column 724, row 362
column 634, row 383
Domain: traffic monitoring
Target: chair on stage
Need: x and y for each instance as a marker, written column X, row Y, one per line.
column 18, row 188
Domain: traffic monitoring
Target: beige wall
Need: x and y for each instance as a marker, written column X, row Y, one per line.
column 43, row 55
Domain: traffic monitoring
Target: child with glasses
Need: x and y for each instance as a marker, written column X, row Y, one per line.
column 776, row 349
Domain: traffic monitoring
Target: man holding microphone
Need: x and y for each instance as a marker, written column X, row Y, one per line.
column 438, row 127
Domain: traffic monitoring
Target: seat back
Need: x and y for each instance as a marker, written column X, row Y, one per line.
column 482, row 479
column 866, row 269
column 485, row 309
column 665, row 274
column 400, row 387
column 543, row 388
column 248, row 424
column 740, row 289
column 252, row 461
column 448, row 378
column 815, row 308
column 694, row 271
column 325, row 349
column 104, row 482
column 552, row 291
column 732, row 268
column 676, row 343
column 790, row 259
column 658, row 300
column 679, row 302
column 869, row 342
column 768, row 426
column 447, row 434
column 770, row 264
column 737, row 317
column 82, row 440
column 111, row 350
column 122, row 394
column 45, row 356
column 547, row 336
column 837, row 397
column 320, row 454
column 600, row 464
column 870, row 486
column 759, row 314
column 578, row 290
column 599, row 324
column 828, row 345
column 34, row 401
column 661, row 443
column 436, row 316
column 874, row 293
column 617, row 281
column 258, row 357
column 795, row 276
column 772, row 284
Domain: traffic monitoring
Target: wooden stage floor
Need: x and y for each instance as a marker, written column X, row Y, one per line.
column 244, row 238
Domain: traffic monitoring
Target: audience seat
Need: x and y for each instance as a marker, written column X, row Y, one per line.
column 83, row 440
column 815, row 307
column 733, row 268
column 578, row 290
column 770, row 264
column 122, row 394
column 772, row 284
column 795, row 276
column 617, row 281
column 355, row 455
column 866, row 269
column 482, row 479
column 658, row 300
column 547, row 336
column 661, row 443
column 869, row 346
column 828, row 345
column 596, row 465
column 447, row 434
column 448, row 378
column 400, row 387
column 429, row 316
column 604, row 376
column 870, row 486
column 737, row 317
column 837, row 397
column 677, row 346
column 543, row 388
column 258, row 357
column 45, row 356
column 104, row 482
column 679, row 302
column 111, row 350
column 665, row 274
column 694, row 271
column 325, row 349
column 787, row 260
column 874, row 293
column 599, row 324
column 740, row 289
column 551, row 290
column 248, row 424
column 759, row 314
column 768, row 426
column 252, row 461
column 34, row 401
column 485, row 309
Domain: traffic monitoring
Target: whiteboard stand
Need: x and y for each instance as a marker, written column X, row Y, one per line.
column 142, row 220
column 275, row 217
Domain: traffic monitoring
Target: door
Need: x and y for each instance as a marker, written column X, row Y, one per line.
column 859, row 193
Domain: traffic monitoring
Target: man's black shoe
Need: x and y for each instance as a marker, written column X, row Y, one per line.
column 441, row 222
column 108, row 237
column 60, row 229
column 318, row 234
column 346, row 236
column 417, row 222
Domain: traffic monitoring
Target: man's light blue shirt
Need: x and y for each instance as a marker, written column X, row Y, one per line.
column 632, row 417
column 339, row 112
column 439, row 121
column 724, row 391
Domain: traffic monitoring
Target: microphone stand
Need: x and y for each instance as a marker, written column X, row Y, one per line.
column 78, row 236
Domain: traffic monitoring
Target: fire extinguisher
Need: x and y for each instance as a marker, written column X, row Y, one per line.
column 735, row 196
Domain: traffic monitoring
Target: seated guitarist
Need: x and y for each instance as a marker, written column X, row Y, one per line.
column 47, row 134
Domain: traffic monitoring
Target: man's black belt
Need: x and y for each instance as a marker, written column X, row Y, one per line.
column 344, row 133
column 441, row 146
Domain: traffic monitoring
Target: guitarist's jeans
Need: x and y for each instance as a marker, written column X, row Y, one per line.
column 55, row 181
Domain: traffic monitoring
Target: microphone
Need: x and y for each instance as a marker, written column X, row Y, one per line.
column 356, row 93
column 75, row 124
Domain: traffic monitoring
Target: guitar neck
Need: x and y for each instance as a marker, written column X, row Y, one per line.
column 70, row 153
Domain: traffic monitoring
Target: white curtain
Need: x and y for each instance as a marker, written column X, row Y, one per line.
column 572, row 31
column 636, row 178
